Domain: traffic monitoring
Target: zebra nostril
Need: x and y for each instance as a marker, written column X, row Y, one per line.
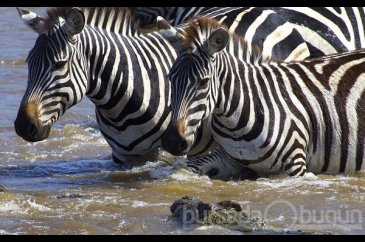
column 33, row 130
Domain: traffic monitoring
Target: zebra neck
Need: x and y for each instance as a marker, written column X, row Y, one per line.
column 126, row 70
column 241, row 95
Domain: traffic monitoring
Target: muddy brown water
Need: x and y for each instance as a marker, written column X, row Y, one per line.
column 68, row 184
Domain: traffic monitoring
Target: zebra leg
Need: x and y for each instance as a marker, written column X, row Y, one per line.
column 295, row 166
column 129, row 161
column 218, row 165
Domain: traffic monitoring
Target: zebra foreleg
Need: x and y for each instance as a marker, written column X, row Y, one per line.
column 295, row 166
column 217, row 165
column 129, row 161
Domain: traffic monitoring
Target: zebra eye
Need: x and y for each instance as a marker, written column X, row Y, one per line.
column 59, row 65
column 204, row 82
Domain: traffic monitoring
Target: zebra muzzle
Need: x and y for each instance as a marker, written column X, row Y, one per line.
column 29, row 127
column 174, row 141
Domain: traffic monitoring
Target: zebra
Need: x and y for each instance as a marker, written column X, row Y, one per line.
column 98, row 53
column 176, row 15
column 89, row 51
column 262, row 28
column 272, row 117
column 326, row 30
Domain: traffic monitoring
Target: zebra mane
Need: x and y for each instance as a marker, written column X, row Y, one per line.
column 197, row 31
column 98, row 17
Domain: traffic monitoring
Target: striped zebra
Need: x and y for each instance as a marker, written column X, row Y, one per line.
column 147, row 15
column 270, row 117
column 326, row 30
column 176, row 15
column 263, row 29
column 99, row 53
column 90, row 51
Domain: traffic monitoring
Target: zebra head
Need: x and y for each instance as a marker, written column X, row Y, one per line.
column 194, row 89
column 57, row 77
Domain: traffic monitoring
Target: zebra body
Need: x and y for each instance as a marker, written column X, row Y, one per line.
column 177, row 15
column 147, row 15
column 325, row 30
column 270, row 117
column 263, row 29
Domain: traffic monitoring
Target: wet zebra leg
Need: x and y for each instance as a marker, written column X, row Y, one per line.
column 218, row 165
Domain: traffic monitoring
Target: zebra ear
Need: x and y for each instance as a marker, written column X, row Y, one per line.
column 32, row 20
column 217, row 41
column 163, row 24
column 75, row 21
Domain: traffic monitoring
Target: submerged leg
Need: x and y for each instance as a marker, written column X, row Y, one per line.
column 129, row 161
column 218, row 165
column 295, row 166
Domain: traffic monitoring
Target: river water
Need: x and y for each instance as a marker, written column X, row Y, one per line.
column 68, row 184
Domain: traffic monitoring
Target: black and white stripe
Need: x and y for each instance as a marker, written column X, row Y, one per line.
column 327, row 30
column 263, row 29
column 270, row 117
column 96, row 62
column 176, row 15
column 121, row 71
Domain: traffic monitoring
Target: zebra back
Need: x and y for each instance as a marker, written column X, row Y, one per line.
column 327, row 30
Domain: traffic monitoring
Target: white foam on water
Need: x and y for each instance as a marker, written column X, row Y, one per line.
column 122, row 224
column 65, row 141
column 6, row 232
column 216, row 229
column 295, row 182
column 162, row 172
column 37, row 206
column 160, row 204
column 281, row 218
column 150, row 166
column 99, row 199
column 137, row 204
column 184, row 175
column 205, row 227
column 11, row 207
column 333, row 198
column 309, row 176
